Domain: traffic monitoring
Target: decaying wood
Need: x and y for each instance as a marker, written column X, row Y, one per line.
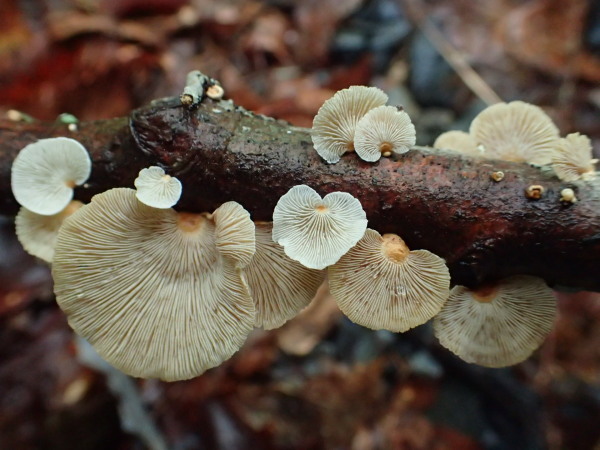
column 440, row 201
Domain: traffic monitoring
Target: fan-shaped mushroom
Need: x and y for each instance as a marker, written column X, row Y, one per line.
column 149, row 288
column 381, row 284
column 317, row 231
column 498, row 325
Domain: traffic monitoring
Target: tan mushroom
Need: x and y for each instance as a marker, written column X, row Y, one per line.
column 382, row 131
column 317, row 231
column 37, row 234
column 149, row 288
column 157, row 189
column 515, row 131
column 573, row 158
column 381, row 284
column 335, row 123
column 44, row 174
column 459, row 141
column 498, row 325
column 280, row 286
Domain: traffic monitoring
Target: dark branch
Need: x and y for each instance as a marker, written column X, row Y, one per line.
column 439, row 201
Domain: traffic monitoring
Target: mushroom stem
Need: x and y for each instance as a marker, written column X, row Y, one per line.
column 436, row 200
column 189, row 222
column 394, row 248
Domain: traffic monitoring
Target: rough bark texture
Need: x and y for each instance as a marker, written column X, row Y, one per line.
column 439, row 201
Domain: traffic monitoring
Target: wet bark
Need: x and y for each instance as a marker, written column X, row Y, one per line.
column 440, row 201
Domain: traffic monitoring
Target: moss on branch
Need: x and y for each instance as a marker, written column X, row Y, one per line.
column 441, row 201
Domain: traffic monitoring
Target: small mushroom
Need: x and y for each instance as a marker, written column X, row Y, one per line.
column 335, row 123
column 573, row 158
column 498, row 325
column 156, row 189
column 381, row 284
column 382, row 131
column 534, row 192
column 567, row 195
column 317, row 231
column 44, row 174
column 459, row 141
column 149, row 288
column 37, row 234
column 515, row 131
column 280, row 286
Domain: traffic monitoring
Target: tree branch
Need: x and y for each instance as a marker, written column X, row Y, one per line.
column 440, row 201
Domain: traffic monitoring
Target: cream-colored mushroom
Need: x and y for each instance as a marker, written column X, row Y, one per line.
column 381, row 284
column 44, row 174
column 459, row 141
column 515, row 131
column 37, row 234
column 280, row 286
column 157, row 189
column 499, row 325
column 149, row 288
column 382, row 131
column 573, row 158
column 335, row 123
column 317, row 231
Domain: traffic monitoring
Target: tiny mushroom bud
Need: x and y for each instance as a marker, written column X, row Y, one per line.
column 150, row 289
column 498, row 325
column 315, row 231
column 515, row 131
column 37, row 234
column 381, row 284
column 568, row 196
column 156, row 189
column 573, row 158
column 334, row 125
column 44, row 174
column 382, row 131
column 215, row 92
column 534, row 192
column 459, row 141
column 497, row 176
column 280, row 286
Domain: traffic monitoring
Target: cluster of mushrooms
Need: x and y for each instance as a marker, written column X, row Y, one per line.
column 166, row 294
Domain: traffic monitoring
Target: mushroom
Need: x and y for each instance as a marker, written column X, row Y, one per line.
column 573, row 158
column 315, row 231
column 44, row 174
column 156, row 189
column 515, row 131
column 382, row 131
column 334, row 125
column 149, row 288
column 459, row 141
column 37, row 233
column 381, row 284
column 280, row 286
column 497, row 325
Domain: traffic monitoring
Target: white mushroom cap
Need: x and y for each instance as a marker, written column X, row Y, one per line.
column 382, row 131
column 44, row 174
column 315, row 231
column 156, row 189
column 573, row 158
column 234, row 233
column 280, row 286
column 149, row 289
column 37, row 234
column 335, row 123
column 458, row 141
column 499, row 325
column 381, row 284
column 515, row 131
